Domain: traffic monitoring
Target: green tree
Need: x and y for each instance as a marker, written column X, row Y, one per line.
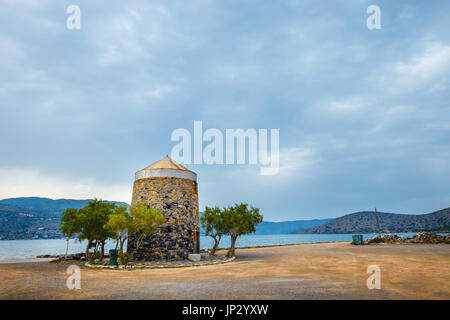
column 92, row 220
column 69, row 225
column 120, row 222
column 212, row 222
column 144, row 220
column 239, row 220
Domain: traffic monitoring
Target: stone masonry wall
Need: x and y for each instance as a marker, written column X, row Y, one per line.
column 178, row 200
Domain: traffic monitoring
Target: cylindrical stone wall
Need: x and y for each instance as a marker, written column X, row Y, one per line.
column 177, row 198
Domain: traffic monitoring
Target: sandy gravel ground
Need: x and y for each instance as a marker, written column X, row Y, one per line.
column 30, row 260
column 305, row 271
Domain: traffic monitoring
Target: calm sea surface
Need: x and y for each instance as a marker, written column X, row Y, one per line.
column 15, row 249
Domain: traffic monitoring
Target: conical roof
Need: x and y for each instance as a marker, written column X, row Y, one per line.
column 166, row 163
column 166, row 168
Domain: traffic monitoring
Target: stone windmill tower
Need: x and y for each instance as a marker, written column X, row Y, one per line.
column 170, row 187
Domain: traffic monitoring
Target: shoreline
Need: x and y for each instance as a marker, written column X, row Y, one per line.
column 50, row 259
column 29, row 259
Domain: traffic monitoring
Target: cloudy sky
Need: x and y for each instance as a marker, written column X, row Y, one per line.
column 364, row 115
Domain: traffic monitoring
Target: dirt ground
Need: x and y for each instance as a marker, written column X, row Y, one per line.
column 304, row 271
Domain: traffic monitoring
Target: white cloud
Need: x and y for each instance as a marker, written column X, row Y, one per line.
column 11, row 51
column 26, row 183
column 426, row 71
column 148, row 96
column 296, row 158
column 118, row 40
column 231, row 66
column 432, row 62
column 350, row 104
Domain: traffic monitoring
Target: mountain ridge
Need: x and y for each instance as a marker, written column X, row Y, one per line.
column 48, row 204
column 35, row 217
column 365, row 222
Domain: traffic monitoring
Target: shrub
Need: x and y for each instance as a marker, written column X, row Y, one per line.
column 124, row 258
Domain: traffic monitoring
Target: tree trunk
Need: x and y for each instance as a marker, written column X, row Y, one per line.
column 233, row 243
column 139, row 241
column 67, row 246
column 216, row 244
column 122, row 241
column 88, row 256
column 102, row 251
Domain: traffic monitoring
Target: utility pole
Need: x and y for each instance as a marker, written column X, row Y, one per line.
column 378, row 222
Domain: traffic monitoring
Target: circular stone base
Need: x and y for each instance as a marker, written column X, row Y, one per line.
column 166, row 264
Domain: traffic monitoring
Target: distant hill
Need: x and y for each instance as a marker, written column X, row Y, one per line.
column 365, row 222
column 33, row 217
column 283, row 227
column 47, row 205
column 286, row 227
column 23, row 223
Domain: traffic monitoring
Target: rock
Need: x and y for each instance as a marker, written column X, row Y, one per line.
column 387, row 238
column 421, row 237
column 429, row 237
column 194, row 257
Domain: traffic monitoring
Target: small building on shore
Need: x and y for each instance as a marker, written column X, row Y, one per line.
column 170, row 187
